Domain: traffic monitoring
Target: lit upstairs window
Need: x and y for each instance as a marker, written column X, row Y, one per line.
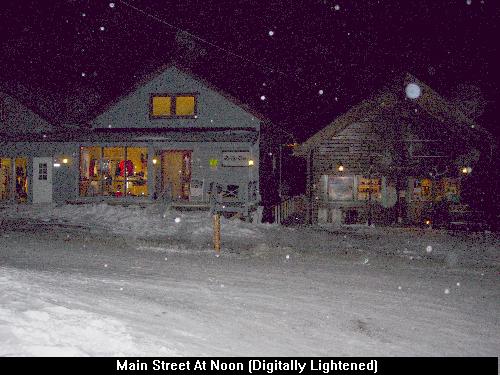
column 185, row 105
column 161, row 106
column 173, row 106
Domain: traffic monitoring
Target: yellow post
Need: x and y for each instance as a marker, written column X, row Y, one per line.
column 216, row 220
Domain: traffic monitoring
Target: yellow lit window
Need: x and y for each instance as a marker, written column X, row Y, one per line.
column 369, row 188
column 161, row 106
column 184, row 105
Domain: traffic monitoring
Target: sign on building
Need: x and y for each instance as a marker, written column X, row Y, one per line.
column 235, row 158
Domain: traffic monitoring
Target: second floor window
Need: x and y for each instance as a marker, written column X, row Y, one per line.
column 173, row 105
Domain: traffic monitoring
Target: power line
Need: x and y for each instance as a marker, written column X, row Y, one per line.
column 194, row 36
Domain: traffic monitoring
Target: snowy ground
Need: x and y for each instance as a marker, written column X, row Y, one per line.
column 107, row 280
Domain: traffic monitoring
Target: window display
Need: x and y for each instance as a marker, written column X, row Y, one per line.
column 5, row 178
column 340, row 188
column 113, row 171
column 422, row 189
column 21, row 165
column 369, row 188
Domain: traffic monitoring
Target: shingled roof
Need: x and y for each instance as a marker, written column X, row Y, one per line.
column 388, row 98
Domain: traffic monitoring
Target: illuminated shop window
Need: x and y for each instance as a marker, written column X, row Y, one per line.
column 113, row 171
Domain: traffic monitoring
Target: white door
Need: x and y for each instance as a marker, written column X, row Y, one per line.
column 42, row 180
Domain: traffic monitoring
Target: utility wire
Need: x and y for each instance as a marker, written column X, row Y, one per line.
column 162, row 21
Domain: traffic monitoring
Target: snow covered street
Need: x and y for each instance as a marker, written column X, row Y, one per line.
column 135, row 281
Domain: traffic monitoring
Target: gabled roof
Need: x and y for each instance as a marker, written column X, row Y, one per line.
column 151, row 76
column 19, row 118
column 429, row 100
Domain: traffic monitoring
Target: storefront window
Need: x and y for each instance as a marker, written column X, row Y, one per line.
column 422, row 189
column 90, row 171
column 113, row 171
column 5, row 178
column 137, row 171
column 450, row 188
column 339, row 187
column 369, row 188
column 21, row 165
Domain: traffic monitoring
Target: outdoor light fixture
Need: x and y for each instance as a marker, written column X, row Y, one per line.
column 466, row 170
column 155, row 161
column 250, row 162
column 340, row 168
column 65, row 161
column 427, row 222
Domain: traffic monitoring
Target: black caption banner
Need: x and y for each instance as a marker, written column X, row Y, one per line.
column 253, row 365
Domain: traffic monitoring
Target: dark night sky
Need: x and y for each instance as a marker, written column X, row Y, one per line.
column 348, row 52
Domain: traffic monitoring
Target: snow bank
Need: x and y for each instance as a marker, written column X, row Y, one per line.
column 33, row 324
column 137, row 221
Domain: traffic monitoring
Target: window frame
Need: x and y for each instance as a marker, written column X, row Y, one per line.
column 173, row 104
column 43, row 171
column 101, row 175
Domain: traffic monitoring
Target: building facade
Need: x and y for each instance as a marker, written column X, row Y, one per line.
column 392, row 159
column 173, row 138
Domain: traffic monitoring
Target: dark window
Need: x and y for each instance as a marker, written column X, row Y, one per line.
column 42, row 171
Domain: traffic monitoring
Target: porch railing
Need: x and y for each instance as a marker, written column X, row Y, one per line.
column 289, row 209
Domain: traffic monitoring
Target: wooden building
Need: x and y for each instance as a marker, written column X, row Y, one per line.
column 400, row 156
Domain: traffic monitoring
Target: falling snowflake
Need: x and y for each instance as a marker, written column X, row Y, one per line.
column 83, row 14
column 105, row 266
column 101, row 28
column 399, row 287
column 177, row 219
column 413, row 90
column 446, row 291
column 111, row 5
column 287, row 256
column 428, row 249
column 320, row 92
column 468, row 2
column 83, row 74
column 336, row 7
column 263, row 97
column 458, row 284
column 271, row 33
